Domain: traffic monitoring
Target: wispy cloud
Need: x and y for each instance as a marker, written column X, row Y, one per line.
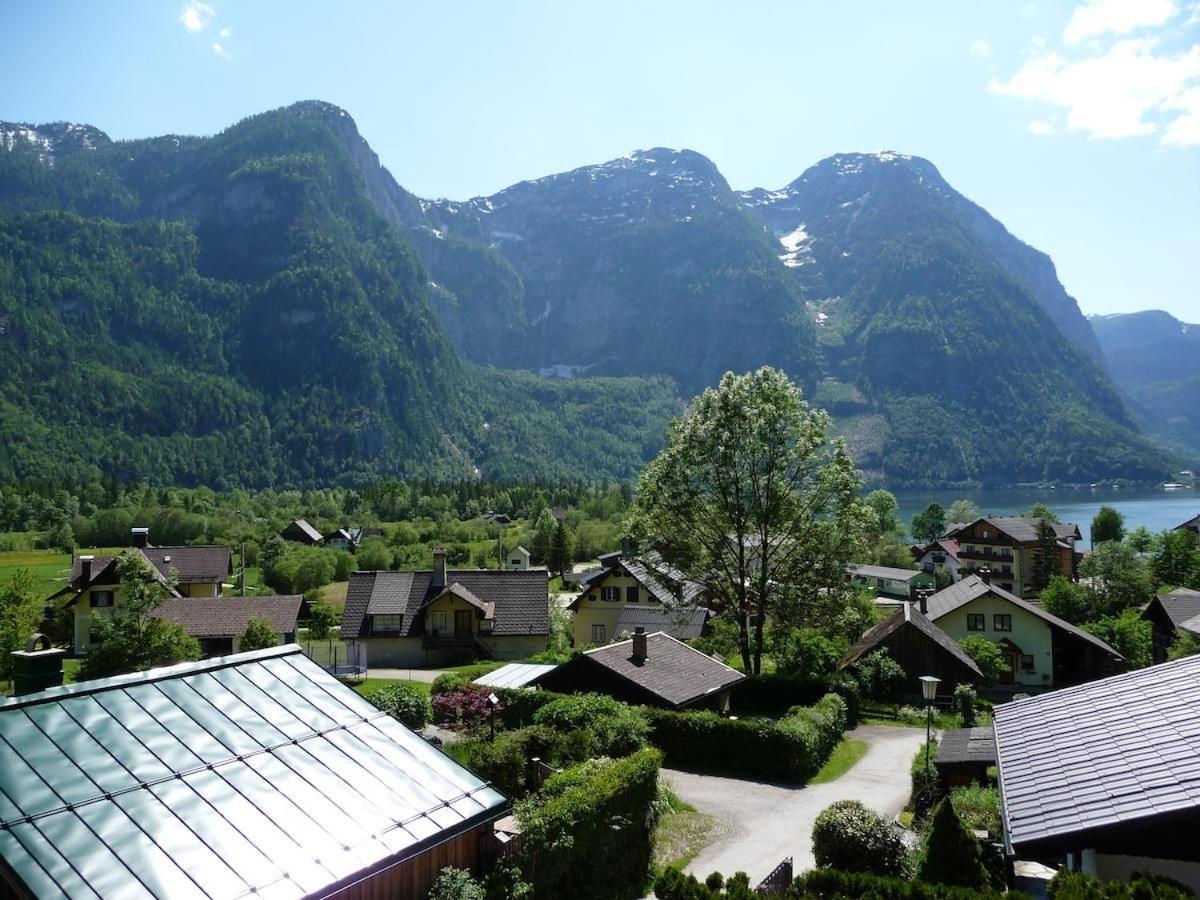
column 226, row 32
column 980, row 49
column 196, row 15
column 1115, row 88
column 1101, row 17
column 221, row 50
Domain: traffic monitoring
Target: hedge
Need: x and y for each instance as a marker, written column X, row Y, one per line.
column 505, row 762
column 818, row 884
column 589, row 832
column 521, row 704
column 926, row 785
column 792, row 749
column 1068, row 885
column 952, row 855
column 616, row 728
column 773, row 692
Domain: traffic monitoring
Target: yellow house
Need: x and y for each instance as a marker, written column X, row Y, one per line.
column 1039, row 649
column 624, row 594
column 94, row 588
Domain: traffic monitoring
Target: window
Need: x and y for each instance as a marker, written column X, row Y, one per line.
column 438, row 620
column 610, row 594
column 1027, row 662
column 385, row 624
column 975, row 622
column 631, row 594
column 102, row 599
column 1002, row 622
column 598, row 634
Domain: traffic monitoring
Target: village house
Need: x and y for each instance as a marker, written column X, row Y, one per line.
column 256, row 775
column 1039, row 649
column 301, row 532
column 1103, row 776
column 648, row 669
column 625, row 593
column 435, row 617
column 888, row 581
column 938, row 556
column 1192, row 525
column 1168, row 615
column 518, row 559
column 219, row 622
column 1009, row 546
column 94, row 589
column 341, row 540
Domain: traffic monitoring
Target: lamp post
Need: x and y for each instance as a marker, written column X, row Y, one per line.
column 493, row 702
column 929, row 690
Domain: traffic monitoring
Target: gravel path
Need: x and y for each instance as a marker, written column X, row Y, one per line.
column 759, row 824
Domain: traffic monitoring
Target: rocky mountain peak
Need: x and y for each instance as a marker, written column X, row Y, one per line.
column 53, row 139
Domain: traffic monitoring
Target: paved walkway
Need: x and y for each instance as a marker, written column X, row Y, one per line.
column 759, row 824
column 426, row 675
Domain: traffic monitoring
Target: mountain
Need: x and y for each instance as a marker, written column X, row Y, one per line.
column 269, row 306
column 1155, row 360
column 235, row 309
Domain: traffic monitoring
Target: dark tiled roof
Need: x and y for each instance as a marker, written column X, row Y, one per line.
column 302, row 524
column 250, row 775
column 973, row 587
column 1192, row 524
column 1116, row 750
column 681, row 622
column 652, row 573
column 207, row 564
column 883, row 572
column 204, row 617
column 1180, row 605
column 949, row 546
column 967, row 745
column 521, row 599
column 104, row 571
column 672, row 670
column 1022, row 529
column 908, row 615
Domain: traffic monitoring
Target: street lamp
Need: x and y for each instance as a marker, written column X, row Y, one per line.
column 929, row 690
column 493, row 702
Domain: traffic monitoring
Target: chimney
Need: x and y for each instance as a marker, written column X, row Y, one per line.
column 140, row 537
column 439, row 567
column 35, row 670
column 985, row 574
column 639, row 645
column 85, row 568
column 923, row 600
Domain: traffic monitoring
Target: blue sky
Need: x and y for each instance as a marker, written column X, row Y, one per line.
column 1077, row 124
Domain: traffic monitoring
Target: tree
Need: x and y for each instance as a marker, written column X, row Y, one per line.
column 751, row 497
column 132, row 638
column 884, row 505
column 20, row 615
column 962, row 511
column 929, row 524
column 1041, row 510
column 259, row 635
column 322, row 617
column 1176, row 561
column 1141, row 539
column 315, row 569
column 1129, row 634
column 543, row 537
column 1116, row 577
column 1066, row 600
column 374, row 555
column 1045, row 557
column 1107, row 525
column 880, row 677
column 560, row 549
column 1185, row 644
column 986, row 655
column 952, row 855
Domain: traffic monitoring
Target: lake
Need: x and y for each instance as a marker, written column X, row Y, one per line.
column 1155, row 508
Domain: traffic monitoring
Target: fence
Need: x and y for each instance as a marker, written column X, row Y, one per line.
column 342, row 659
column 780, row 879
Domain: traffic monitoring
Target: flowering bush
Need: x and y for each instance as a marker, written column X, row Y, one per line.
column 849, row 837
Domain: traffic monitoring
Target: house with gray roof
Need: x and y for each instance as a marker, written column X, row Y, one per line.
column 650, row 669
column 1009, row 547
column 614, row 599
column 300, row 531
column 1170, row 614
column 1106, row 776
column 219, row 622
column 256, row 775
column 438, row 617
column 1039, row 649
column 1192, row 525
column 889, row 581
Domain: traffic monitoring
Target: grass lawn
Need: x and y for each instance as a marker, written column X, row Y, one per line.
column 682, row 832
column 49, row 567
column 335, row 594
column 844, row 755
column 367, row 685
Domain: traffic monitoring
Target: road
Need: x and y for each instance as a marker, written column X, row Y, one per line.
column 760, row 824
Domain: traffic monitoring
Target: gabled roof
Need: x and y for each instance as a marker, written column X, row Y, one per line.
column 1192, row 524
column 302, row 524
column 1022, row 529
column 104, row 572
column 210, row 617
column 1181, row 606
column 908, row 615
column 967, row 745
column 1115, row 751
column 454, row 589
column 949, row 546
column 672, row 671
column 341, row 533
column 973, row 587
column 255, row 774
column 681, row 622
column 514, row 675
column 521, row 600
column 652, row 573
column 884, row 572
column 204, row 564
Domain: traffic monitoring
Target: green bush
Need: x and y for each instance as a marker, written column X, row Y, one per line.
column 952, row 855
column 849, row 837
column 616, row 727
column 978, row 807
column 449, row 682
column 674, row 885
column 926, row 786
column 965, row 697
column 456, row 884
column 520, row 704
column 1068, row 885
column 832, row 884
column 792, row 749
column 880, row 677
column 505, row 762
column 404, row 702
column 322, row 617
column 589, row 832
column 771, row 693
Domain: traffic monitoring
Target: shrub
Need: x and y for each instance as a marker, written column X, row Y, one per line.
column 520, row 704
column 849, row 837
column 468, row 707
column 771, row 693
column 831, row 884
column 617, row 728
column 456, row 884
column 926, row 786
column 880, row 677
column 965, row 697
column 343, row 564
column 403, row 702
column 1068, row 885
column 951, row 855
column 322, row 617
column 259, row 635
column 910, row 715
column 505, row 762
column 674, row 885
column 448, row 683
column 986, row 655
column 590, row 829
column 374, row 554
column 978, row 807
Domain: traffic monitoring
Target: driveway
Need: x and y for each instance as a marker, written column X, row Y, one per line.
column 759, row 824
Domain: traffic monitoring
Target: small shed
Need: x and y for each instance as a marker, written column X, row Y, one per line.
column 302, row 533
column 964, row 756
column 518, row 559
column 515, row 675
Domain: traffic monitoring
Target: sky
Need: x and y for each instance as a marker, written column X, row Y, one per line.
column 1076, row 124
